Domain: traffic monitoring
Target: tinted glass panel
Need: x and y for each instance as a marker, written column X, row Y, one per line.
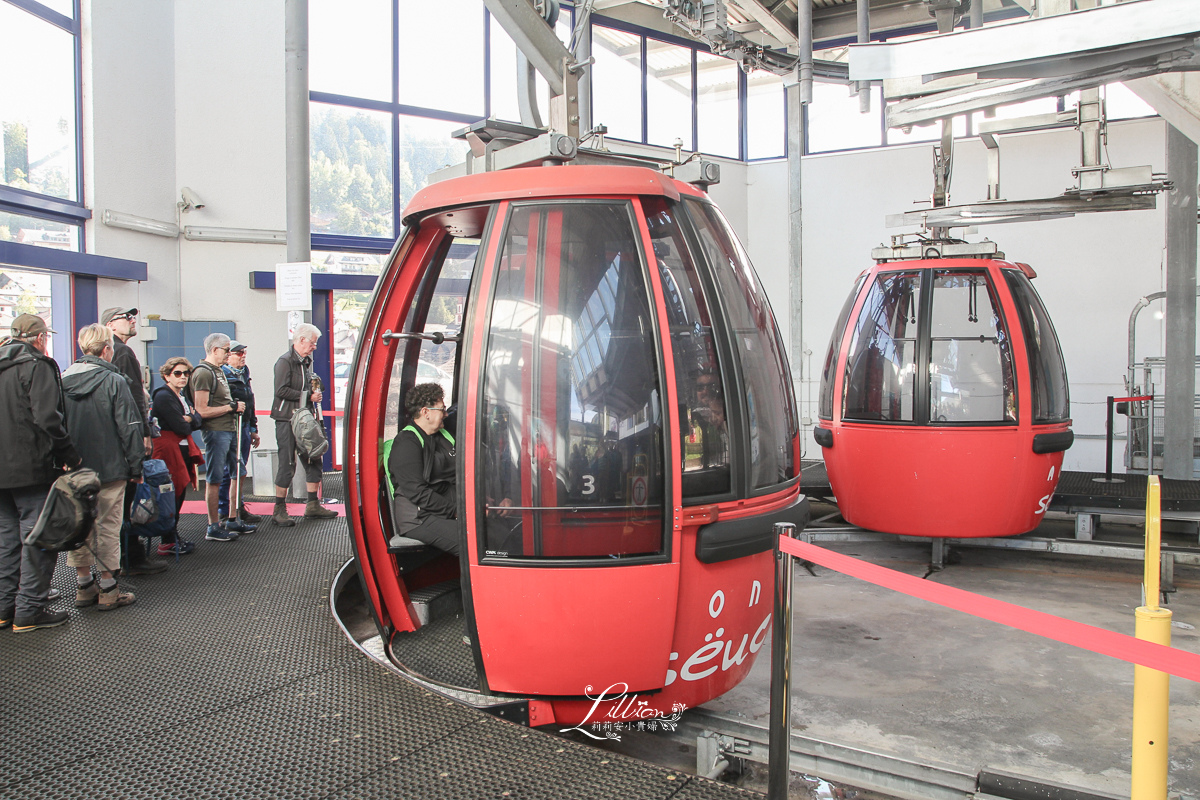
column 571, row 444
column 351, row 171
column 704, row 433
column 881, row 370
column 766, row 379
column 970, row 365
column 825, row 409
column 1048, row 379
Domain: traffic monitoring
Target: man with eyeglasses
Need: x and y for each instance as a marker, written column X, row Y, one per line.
column 420, row 465
column 219, row 411
column 36, row 446
column 123, row 323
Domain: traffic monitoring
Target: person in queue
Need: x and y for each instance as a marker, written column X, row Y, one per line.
column 123, row 323
column 176, row 448
column 106, row 427
column 421, row 470
column 36, row 447
column 219, row 424
column 238, row 375
column 294, row 386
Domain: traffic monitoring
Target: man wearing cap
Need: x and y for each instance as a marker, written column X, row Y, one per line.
column 36, row 448
column 123, row 323
column 238, row 375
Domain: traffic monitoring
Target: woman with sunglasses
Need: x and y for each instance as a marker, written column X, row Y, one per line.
column 177, row 418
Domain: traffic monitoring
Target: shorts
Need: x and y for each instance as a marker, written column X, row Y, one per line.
column 220, row 454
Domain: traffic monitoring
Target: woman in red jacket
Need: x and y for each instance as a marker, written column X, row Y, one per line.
column 178, row 419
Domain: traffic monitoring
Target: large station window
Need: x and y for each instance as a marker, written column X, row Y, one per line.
column 571, row 444
column 44, row 294
column 38, row 139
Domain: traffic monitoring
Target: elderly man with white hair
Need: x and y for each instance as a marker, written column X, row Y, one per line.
column 294, row 386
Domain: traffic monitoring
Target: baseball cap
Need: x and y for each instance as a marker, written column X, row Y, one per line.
column 235, row 346
column 27, row 326
column 109, row 313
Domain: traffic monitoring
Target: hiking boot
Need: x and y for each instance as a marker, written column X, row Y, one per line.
column 246, row 516
column 145, row 566
column 114, row 598
column 314, row 510
column 281, row 518
column 6, row 617
column 42, row 619
column 52, row 595
column 216, row 533
column 87, row 595
column 237, row 526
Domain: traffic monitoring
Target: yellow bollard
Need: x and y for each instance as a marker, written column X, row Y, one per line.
column 1151, row 688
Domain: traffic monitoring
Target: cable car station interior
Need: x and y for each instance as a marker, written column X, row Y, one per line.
column 679, row 286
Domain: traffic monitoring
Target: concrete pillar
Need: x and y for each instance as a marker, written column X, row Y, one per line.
column 1181, row 306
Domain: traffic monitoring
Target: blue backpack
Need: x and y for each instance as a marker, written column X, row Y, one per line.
column 156, row 485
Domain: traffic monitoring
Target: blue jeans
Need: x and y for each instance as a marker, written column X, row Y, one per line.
column 25, row 572
column 223, row 497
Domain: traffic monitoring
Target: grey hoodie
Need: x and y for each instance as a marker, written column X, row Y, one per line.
column 103, row 419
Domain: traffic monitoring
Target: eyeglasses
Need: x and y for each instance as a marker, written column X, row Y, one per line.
column 437, row 408
column 181, row 373
column 124, row 316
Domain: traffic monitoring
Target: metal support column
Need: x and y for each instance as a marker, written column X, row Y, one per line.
column 795, row 147
column 1181, row 307
column 296, row 150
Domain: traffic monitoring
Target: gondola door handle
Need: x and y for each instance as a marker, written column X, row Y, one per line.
column 437, row 337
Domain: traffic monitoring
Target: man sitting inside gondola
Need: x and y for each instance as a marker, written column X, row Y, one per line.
column 420, row 467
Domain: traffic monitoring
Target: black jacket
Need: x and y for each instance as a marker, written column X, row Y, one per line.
column 103, row 419
column 240, row 388
column 34, row 442
column 168, row 409
column 422, row 468
column 126, row 362
column 292, row 385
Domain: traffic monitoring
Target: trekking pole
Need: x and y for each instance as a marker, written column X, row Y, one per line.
column 235, row 502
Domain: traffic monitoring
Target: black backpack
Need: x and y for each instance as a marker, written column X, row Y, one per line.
column 69, row 512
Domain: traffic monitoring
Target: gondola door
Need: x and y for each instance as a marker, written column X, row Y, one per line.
column 572, row 585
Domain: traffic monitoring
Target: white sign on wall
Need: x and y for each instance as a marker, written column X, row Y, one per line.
column 293, row 286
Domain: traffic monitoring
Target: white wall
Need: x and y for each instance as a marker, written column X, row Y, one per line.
column 1091, row 268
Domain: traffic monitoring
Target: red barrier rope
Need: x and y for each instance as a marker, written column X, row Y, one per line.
column 1078, row 634
column 1131, row 399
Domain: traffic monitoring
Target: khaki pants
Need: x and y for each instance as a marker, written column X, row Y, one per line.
column 103, row 545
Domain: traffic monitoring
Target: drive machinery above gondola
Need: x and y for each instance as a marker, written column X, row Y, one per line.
column 626, row 436
column 943, row 403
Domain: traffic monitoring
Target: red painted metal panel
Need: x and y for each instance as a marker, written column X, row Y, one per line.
column 542, row 182
column 551, row 631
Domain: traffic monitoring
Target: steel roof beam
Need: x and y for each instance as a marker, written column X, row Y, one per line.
column 1076, row 36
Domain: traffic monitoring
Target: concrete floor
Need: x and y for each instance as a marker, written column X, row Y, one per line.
column 882, row 671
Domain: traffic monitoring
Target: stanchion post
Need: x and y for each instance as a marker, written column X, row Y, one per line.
column 1151, row 688
column 779, row 770
column 1108, row 442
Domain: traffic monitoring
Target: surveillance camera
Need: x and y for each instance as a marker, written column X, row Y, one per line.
column 190, row 200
